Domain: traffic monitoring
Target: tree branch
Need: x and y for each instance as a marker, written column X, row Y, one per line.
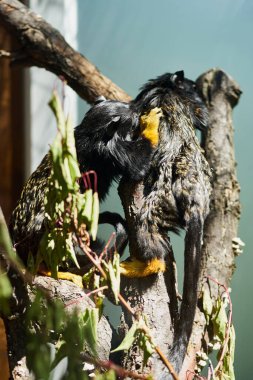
column 55, row 289
column 155, row 296
column 221, row 94
column 44, row 46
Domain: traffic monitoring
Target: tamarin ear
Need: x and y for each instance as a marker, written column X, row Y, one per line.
column 177, row 77
column 100, row 99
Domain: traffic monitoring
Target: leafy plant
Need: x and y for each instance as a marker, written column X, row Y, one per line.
column 222, row 332
column 68, row 212
column 53, row 334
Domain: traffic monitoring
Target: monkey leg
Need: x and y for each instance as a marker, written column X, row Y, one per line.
column 76, row 279
column 137, row 268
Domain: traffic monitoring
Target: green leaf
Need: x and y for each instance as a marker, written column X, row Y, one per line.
column 232, row 342
column 87, row 211
column 228, row 361
column 38, row 359
column 55, row 105
column 99, row 302
column 219, row 320
column 113, row 273
column 5, row 293
column 87, row 277
column 70, row 249
column 146, row 346
column 90, row 326
column 222, row 376
column 129, row 338
column 207, row 304
column 61, row 353
column 64, row 205
column 5, row 242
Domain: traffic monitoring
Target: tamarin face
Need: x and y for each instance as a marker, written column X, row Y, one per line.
column 173, row 87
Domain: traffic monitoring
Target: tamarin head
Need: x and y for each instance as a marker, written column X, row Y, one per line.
column 169, row 88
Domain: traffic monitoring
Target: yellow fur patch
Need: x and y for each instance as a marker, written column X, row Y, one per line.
column 137, row 268
column 149, row 125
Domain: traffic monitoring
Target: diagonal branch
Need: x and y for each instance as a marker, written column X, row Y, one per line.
column 43, row 46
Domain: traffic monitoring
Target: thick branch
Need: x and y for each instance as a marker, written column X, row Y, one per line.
column 155, row 296
column 221, row 94
column 44, row 46
column 71, row 296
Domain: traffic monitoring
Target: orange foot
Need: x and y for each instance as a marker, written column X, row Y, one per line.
column 137, row 268
column 76, row 279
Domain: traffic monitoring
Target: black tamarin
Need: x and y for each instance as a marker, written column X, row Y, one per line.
column 176, row 187
column 176, row 191
column 108, row 140
column 151, row 139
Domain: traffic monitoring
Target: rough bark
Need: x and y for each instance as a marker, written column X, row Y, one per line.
column 221, row 94
column 43, row 46
column 154, row 296
column 71, row 296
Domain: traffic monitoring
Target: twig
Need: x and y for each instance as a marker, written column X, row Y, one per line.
column 126, row 305
column 77, row 300
column 97, row 290
column 120, row 371
column 210, row 371
column 228, row 325
column 107, row 245
column 94, row 261
column 131, row 311
column 166, row 362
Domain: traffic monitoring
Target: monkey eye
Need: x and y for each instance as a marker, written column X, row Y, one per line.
column 145, row 106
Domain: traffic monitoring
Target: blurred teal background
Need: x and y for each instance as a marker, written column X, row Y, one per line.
column 134, row 40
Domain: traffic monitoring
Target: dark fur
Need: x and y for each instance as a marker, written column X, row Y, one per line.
column 108, row 142
column 176, row 178
column 176, row 188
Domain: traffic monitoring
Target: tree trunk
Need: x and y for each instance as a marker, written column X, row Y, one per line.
column 221, row 94
column 157, row 295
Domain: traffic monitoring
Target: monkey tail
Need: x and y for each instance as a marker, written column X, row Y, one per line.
column 192, row 258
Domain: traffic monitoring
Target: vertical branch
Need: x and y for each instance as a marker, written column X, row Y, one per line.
column 221, row 94
column 155, row 296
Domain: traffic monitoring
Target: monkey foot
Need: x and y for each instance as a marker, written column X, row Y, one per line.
column 76, row 279
column 137, row 268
